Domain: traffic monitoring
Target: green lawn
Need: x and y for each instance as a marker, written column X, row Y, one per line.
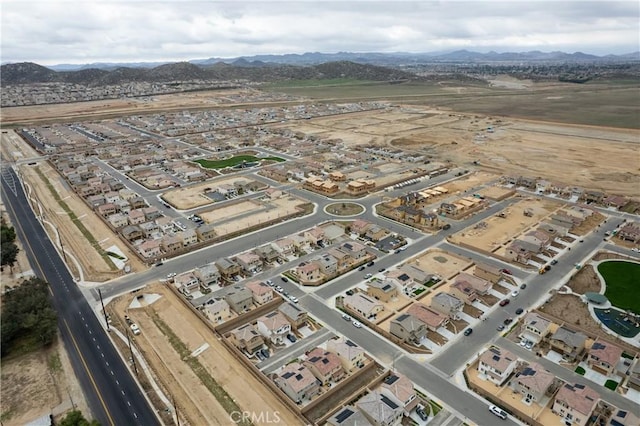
column 623, row 284
column 233, row 161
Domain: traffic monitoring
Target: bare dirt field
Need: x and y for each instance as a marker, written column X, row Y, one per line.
column 495, row 192
column 198, row 405
column 194, row 195
column 37, row 384
column 440, row 262
column 585, row 280
column 496, row 231
column 470, row 181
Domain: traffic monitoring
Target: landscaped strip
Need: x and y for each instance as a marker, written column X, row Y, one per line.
column 198, row 369
column 76, row 221
column 234, row 161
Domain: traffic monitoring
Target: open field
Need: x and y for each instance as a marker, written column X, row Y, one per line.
column 496, row 231
column 194, row 195
column 197, row 403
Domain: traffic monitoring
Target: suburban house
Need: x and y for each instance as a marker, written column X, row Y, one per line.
column 150, row 248
column 349, row 416
column 249, row 262
column 481, row 286
column 189, row 236
column 206, row 231
column 630, row 232
column 447, row 304
column 207, row 274
column 283, row 246
column 274, row 326
column 363, row 305
column 533, row 382
column 408, row 328
column 497, row 364
column 132, row 233
column 297, row 382
column 380, row 409
column 218, row 310
column 398, row 387
column 351, row 355
column 325, row 366
column 136, row 217
column 464, row 291
column 246, row 338
column 315, row 236
column 416, row 274
column 118, row 220
column 488, row 273
column 239, row 299
column 568, row 342
column 260, row 292
column 375, row 233
column 332, row 232
column 328, row 264
column 294, row 314
column 382, row 290
column 360, row 227
column 432, row 318
column 309, row 272
column 227, row 267
column 171, row 243
column 342, row 257
column 186, row 282
column 355, row 250
column 536, row 327
column 575, row 403
column 401, row 279
column 267, row 253
column 538, row 238
column 520, row 252
column 604, row 357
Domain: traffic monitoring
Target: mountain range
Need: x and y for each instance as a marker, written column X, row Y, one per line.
column 374, row 58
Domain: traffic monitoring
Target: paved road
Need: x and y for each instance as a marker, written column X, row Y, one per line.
column 112, row 395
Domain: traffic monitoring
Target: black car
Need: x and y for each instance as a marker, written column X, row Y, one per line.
column 349, row 292
column 370, row 263
column 500, row 327
column 291, row 338
column 468, row 331
column 361, row 268
column 519, row 311
column 265, row 353
column 554, row 261
column 523, row 286
column 508, row 321
column 381, row 269
column 284, row 279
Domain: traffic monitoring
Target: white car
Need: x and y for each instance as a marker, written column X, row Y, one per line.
column 498, row 412
column 636, row 250
column 269, row 283
column 293, row 299
column 356, row 324
column 135, row 328
column 279, row 289
column 515, row 293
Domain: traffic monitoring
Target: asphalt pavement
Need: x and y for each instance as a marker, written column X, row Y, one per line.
column 113, row 396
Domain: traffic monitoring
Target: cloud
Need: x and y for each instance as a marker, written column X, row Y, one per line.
column 50, row 32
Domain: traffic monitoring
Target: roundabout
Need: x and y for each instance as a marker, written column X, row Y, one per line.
column 344, row 209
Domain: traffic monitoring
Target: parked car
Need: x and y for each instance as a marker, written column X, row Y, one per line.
column 554, row 261
column 382, row 269
column 350, row 292
column 500, row 327
column 259, row 355
column 291, row 338
column 468, row 331
column 135, row 329
column 265, row 353
column 294, row 299
column 506, row 271
column 279, row 289
column 515, row 293
column 504, row 302
column 508, row 321
column 498, row 412
column 370, row 263
column 523, row 286
column 367, row 276
column 361, row 268
column 420, row 412
column 269, row 283
column 284, row 279
column 346, row 317
column 519, row 311
column 356, row 324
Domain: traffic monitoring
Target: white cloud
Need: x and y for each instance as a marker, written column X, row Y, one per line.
column 50, row 32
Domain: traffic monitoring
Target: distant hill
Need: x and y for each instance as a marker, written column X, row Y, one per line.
column 28, row 73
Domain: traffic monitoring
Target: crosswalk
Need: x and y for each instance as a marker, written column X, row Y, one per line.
column 9, row 179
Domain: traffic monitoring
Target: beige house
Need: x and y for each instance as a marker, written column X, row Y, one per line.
column 274, row 326
column 297, row 382
column 366, row 306
column 623, row 418
column 349, row 416
column 351, row 355
column 309, row 272
column 569, row 343
column 399, row 388
column 380, row 410
column 488, row 273
column 239, row 299
column 325, row 366
column 408, row 328
column 575, row 403
column 432, row 318
column 218, row 310
column 294, row 314
column 533, row 382
column 260, row 292
column 497, row 365
column 382, row 290
column 481, row 286
column 246, row 338
column 536, row 327
column 604, row 357
column 249, row 262
column 447, row 304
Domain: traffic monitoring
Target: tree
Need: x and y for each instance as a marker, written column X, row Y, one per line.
column 75, row 418
column 10, row 250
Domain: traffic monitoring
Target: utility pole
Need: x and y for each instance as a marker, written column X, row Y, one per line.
column 133, row 359
column 106, row 319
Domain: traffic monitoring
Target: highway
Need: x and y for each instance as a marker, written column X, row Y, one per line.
column 112, row 394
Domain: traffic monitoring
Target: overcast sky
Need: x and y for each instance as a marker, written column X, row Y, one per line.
column 52, row 32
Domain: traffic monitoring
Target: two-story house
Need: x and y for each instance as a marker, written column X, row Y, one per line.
column 186, row 282
column 535, row 327
column 297, row 382
column 296, row 316
column 351, row 355
column 567, row 342
column 408, row 328
column 399, row 388
column 533, row 382
column 325, row 366
column 260, row 292
column 207, row 274
column 364, row 305
column 447, row 304
column 382, row 290
column 249, row 262
column 575, row 403
column 604, row 357
column 218, row 310
column 239, row 299
column 429, row 316
column 497, row 365
column 309, row 272
column 246, row 338
column 274, row 326
column 380, row 409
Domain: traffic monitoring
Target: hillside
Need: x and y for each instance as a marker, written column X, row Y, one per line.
column 29, row 73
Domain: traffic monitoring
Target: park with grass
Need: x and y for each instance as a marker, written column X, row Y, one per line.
column 622, row 284
column 238, row 160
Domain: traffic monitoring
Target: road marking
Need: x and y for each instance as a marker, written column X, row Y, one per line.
column 106, row 363
column 122, row 392
column 128, row 403
column 112, row 373
column 101, row 354
column 73, row 339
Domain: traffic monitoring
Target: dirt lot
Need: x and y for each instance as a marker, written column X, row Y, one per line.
column 440, row 262
column 38, row 384
column 197, row 403
column 586, row 280
column 496, row 231
column 194, row 195
column 468, row 182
